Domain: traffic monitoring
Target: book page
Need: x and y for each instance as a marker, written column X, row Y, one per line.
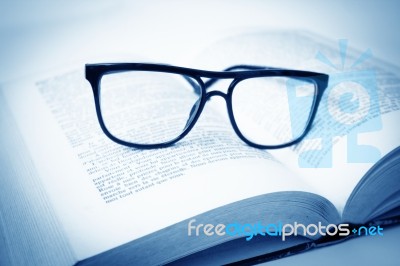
column 357, row 120
column 342, row 162
column 106, row 194
column 30, row 231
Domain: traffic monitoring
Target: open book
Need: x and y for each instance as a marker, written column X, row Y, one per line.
column 69, row 195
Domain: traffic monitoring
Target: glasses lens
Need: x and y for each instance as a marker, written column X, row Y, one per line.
column 273, row 110
column 143, row 107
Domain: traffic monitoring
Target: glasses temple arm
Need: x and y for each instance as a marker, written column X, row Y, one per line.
column 211, row 81
column 195, row 85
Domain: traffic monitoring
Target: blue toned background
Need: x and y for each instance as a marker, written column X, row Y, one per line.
column 38, row 35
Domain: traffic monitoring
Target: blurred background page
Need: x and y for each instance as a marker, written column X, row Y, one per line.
column 41, row 34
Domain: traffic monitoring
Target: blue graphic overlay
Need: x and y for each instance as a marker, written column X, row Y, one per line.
column 349, row 107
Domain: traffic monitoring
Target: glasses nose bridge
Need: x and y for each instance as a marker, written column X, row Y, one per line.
column 215, row 93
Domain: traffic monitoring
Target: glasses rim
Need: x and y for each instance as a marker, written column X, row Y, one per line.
column 95, row 72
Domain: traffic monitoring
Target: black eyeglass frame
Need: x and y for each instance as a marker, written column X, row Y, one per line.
column 94, row 73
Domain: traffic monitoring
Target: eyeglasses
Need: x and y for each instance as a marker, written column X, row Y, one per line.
column 153, row 106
